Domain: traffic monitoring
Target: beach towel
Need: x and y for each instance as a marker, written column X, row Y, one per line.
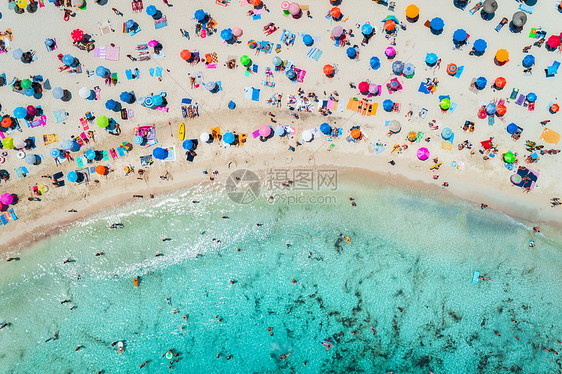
column 121, row 151
column 99, row 52
column 112, row 53
column 160, row 23
column 460, row 69
column 129, row 74
column 552, row 70
column 105, row 27
column 50, row 138
column 520, row 99
column 550, row 136
column 105, row 156
column 452, row 107
column 80, row 161
column 423, row 88
column 60, row 115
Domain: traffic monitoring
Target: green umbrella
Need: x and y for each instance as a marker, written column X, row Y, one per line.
column 25, row 84
column 103, row 122
column 8, row 143
column 245, row 60
column 445, row 104
column 509, row 157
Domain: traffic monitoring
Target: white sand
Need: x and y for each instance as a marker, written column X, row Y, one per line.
column 479, row 181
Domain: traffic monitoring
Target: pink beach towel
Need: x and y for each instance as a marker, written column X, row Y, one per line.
column 112, row 53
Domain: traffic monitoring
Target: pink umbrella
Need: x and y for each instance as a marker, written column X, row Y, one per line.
column 152, row 43
column 390, row 52
column 265, row 131
column 373, row 89
column 364, row 87
column 423, row 153
column 31, row 110
column 237, row 31
column 285, row 5
column 6, row 199
column 337, row 31
column 294, row 9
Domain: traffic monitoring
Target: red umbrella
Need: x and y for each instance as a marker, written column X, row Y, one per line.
column 335, row 12
column 328, row 70
column 364, row 87
column 501, row 110
column 500, row 82
column 185, row 55
column 77, row 35
column 553, row 41
column 31, row 110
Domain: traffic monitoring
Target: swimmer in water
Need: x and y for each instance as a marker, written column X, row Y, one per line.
column 67, row 261
column 116, row 226
column 99, row 254
column 536, row 229
column 224, row 217
column 144, row 364
column 159, row 254
column 166, row 239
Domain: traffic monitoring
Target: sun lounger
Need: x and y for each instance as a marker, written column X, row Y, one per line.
column 113, row 153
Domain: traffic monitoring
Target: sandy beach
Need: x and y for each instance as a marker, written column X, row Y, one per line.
column 472, row 177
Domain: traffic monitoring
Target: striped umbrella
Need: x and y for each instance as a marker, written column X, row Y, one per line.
column 394, row 126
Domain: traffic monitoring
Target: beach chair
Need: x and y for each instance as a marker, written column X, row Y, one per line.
column 113, row 153
column 105, row 27
column 501, row 24
column 552, row 70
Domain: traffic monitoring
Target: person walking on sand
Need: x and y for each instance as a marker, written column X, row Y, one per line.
column 117, row 12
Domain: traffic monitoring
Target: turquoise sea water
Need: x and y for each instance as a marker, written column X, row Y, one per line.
column 407, row 251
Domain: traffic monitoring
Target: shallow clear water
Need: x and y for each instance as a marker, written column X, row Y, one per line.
column 407, row 251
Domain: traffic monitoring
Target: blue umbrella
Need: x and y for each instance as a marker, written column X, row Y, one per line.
column 101, row 71
column 437, row 24
column 228, row 138
column 188, row 144
column 58, row 93
column 480, row 45
column 307, row 40
column 366, row 29
column 160, row 153
column 31, row 159
column 72, row 176
column 512, row 128
column 90, row 154
column 157, row 100
column 280, row 130
column 409, row 69
column 129, row 24
column 325, row 129
column 431, row 59
column 491, row 108
column 29, row 92
column 446, row 133
column 231, row 105
column 148, row 102
column 67, row 60
column 387, row 105
column 151, row 10
column 110, row 104
column 49, row 42
column 351, row 52
column 20, row 112
column 531, row 97
column 397, row 67
column 66, row 145
column 55, row 152
column 481, row 82
column 375, row 62
column 16, row 54
column 529, row 61
column 125, row 97
column 291, row 74
column 226, row 34
column 460, row 35
column 138, row 140
column 200, row 15
column 75, row 147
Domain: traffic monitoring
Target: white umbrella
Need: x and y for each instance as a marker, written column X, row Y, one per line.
column 205, row 137
column 307, row 135
column 19, row 143
column 84, row 92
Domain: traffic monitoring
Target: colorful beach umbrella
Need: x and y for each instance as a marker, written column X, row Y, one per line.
column 264, row 131
column 125, row 96
column 157, row 100
column 431, row 59
column 101, row 170
column 77, row 35
column 17, row 54
column 460, row 35
column 528, row 61
column 363, row 87
column 355, row 133
column 387, row 105
column 102, row 121
column 445, row 104
column 409, row 70
column 394, row 126
column 328, row 70
column 55, row 152
column 397, row 67
column 72, row 176
column 280, row 130
column 29, row 92
column 277, row 61
column 516, row 179
column 129, row 24
column 205, row 137
column 554, row 41
column 452, row 69
column 502, row 56
column 512, row 128
column 294, row 9
column 78, row 3
column 446, row 133
column 8, row 142
column 335, row 12
column 366, row 29
column 481, row 82
column 519, row 19
column 185, row 55
column 307, row 40
column 307, row 135
column 252, row 44
column 390, row 52
column 67, row 59
column 291, row 74
column 228, row 138
column 226, row 34
column 101, row 71
column 6, row 122
column 25, row 84
column 138, row 140
column 491, row 109
column 373, row 89
column 509, row 157
column 90, row 154
column 337, row 31
column 21, row 3
column 412, row 12
column 151, row 10
column 31, row 110
column 245, row 60
column 423, row 154
column 6, row 198
column 389, row 25
column 501, row 110
column 84, row 92
column 187, row 144
column 436, row 24
column 375, row 63
column 554, row 108
column 110, row 104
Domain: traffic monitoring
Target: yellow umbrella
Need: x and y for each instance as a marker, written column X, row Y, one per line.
column 412, row 11
column 8, row 143
column 21, row 3
column 502, row 55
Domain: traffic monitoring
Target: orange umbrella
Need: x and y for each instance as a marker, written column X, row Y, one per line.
column 6, row 122
column 185, row 55
column 412, row 136
column 355, row 133
column 554, row 108
column 255, row 2
column 502, row 55
column 501, row 110
column 389, row 25
column 101, row 170
column 500, row 82
column 335, row 12
column 412, row 11
column 328, row 70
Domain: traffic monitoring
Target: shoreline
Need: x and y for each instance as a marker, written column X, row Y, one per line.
column 96, row 203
